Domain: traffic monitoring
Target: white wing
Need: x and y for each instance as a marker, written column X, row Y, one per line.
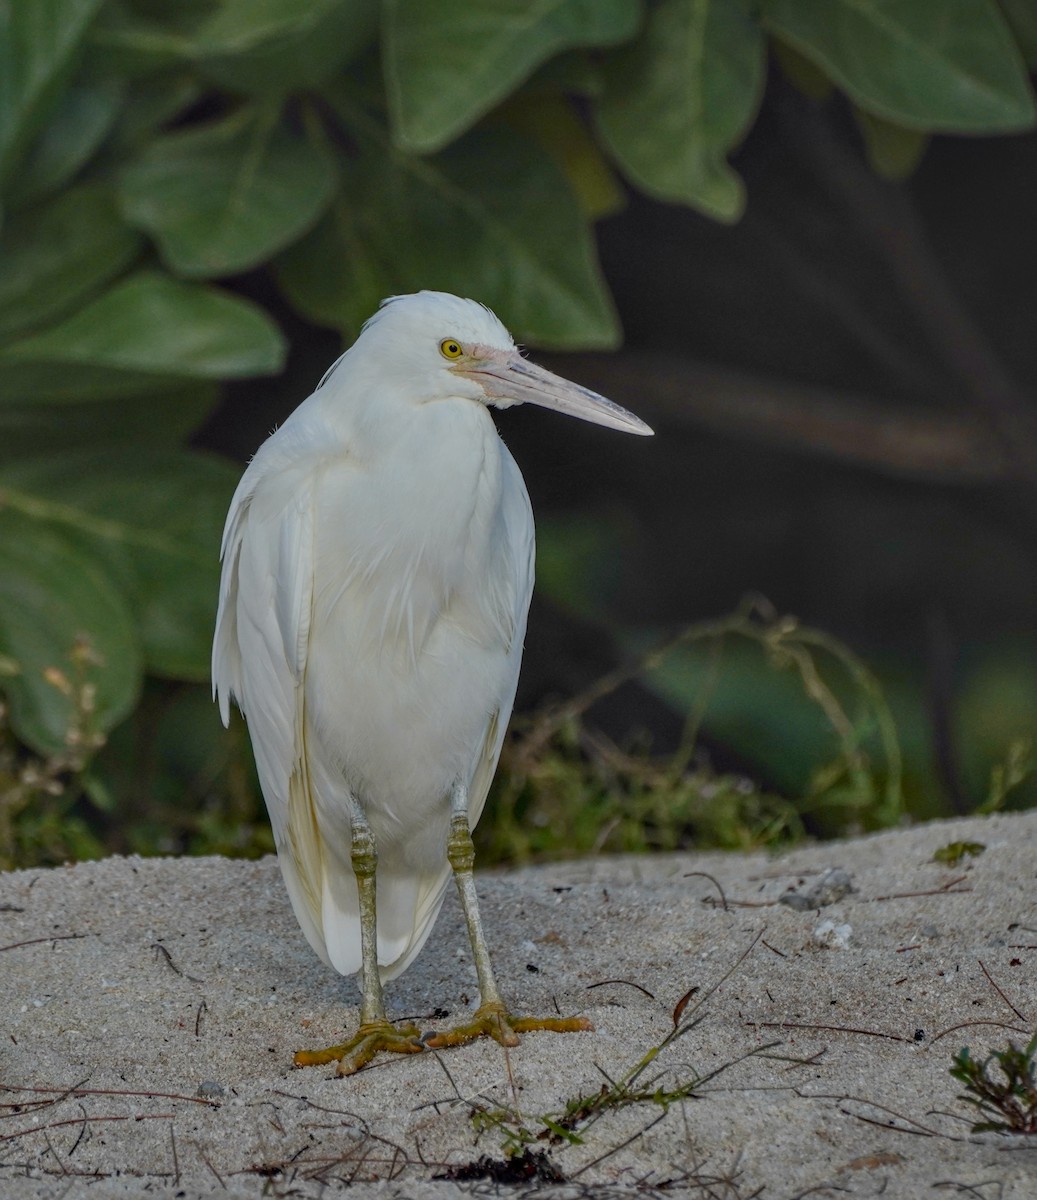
column 259, row 659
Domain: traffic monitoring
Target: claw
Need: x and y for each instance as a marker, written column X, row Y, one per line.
column 491, row 1020
column 363, row 1046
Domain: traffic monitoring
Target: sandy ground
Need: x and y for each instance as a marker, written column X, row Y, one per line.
column 150, row 1009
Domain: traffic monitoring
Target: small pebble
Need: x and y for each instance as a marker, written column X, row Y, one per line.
column 830, row 886
column 832, row 936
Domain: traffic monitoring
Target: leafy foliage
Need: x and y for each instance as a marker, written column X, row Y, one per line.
column 566, row 787
column 1002, row 1088
column 162, row 166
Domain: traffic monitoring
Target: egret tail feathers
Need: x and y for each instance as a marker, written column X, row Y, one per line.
column 302, row 861
column 318, row 874
column 407, row 906
column 324, row 894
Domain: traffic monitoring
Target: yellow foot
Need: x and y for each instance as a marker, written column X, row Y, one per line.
column 363, row 1046
column 491, row 1020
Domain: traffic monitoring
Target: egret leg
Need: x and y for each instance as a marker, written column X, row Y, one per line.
column 492, row 1018
column 376, row 1032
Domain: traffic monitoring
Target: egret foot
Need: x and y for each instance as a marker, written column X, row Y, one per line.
column 491, row 1020
column 368, row 1040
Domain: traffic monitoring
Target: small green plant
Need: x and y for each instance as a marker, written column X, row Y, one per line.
column 1019, row 765
column 565, row 787
column 38, row 790
column 952, row 854
column 1003, row 1088
column 570, row 1124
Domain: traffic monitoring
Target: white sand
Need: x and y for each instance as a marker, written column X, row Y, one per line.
column 855, row 1101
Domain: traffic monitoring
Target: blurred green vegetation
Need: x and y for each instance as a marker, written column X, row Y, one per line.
column 186, row 186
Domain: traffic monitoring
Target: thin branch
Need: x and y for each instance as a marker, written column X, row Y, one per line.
column 57, row 937
column 893, row 1037
column 990, row 980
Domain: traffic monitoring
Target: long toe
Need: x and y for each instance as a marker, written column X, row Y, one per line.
column 491, row 1020
column 369, row 1039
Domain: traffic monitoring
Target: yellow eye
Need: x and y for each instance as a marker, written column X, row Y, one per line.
column 450, row 349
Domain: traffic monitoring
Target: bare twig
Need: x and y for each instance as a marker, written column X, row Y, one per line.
column 893, row 1037
column 970, row 1024
column 624, row 982
column 990, row 980
column 82, row 1091
column 56, row 937
column 7, row 1137
column 706, row 875
column 950, row 888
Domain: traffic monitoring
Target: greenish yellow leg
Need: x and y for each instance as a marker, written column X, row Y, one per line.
column 376, row 1032
column 491, row 1018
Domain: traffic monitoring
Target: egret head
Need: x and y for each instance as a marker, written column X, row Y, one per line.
column 449, row 346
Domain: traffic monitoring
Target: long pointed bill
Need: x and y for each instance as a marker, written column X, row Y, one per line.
column 511, row 379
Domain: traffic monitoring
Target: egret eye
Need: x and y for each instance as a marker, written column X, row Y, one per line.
column 450, row 349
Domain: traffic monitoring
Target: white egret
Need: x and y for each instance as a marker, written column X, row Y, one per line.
column 377, row 573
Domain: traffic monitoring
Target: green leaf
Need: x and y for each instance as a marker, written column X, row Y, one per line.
column 150, row 103
column 260, row 46
column 952, row 854
column 446, row 64
column 514, row 238
column 222, row 199
column 940, row 65
column 137, row 41
column 893, row 151
column 804, row 75
column 38, row 43
column 55, row 255
column 54, row 594
column 70, row 139
column 1022, row 17
column 154, row 520
column 146, row 332
column 30, row 428
column 681, row 98
column 550, row 119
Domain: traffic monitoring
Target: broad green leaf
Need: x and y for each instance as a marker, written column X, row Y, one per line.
column 513, row 238
column 135, row 43
column 893, row 151
column 30, row 428
column 550, row 119
column 801, row 72
column 223, row 198
column 447, row 64
column 69, row 140
column 52, row 381
column 38, row 43
column 681, row 98
column 154, row 519
column 146, row 331
column 939, row 65
column 150, row 103
column 259, row 46
column 1022, row 17
column 262, row 47
column 52, row 257
column 53, row 595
